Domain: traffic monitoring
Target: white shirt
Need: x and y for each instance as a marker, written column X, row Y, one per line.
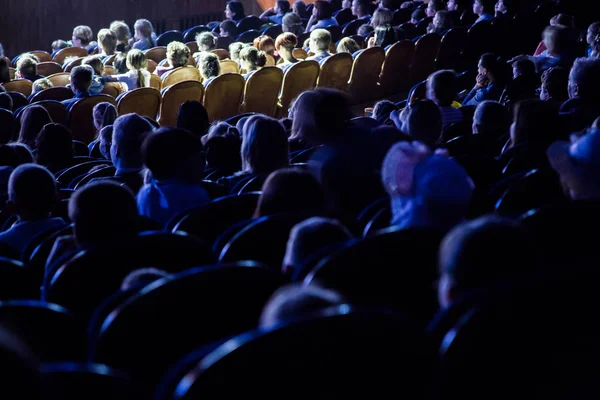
column 130, row 79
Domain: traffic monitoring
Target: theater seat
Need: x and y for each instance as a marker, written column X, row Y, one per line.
column 143, row 101
column 81, row 121
column 174, row 96
column 19, row 85
column 60, row 79
column 335, row 72
column 48, row 68
column 226, row 86
column 299, row 78
column 261, row 91
column 58, row 93
column 395, row 69
column 364, row 78
column 62, row 54
column 156, row 54
column 187, row 73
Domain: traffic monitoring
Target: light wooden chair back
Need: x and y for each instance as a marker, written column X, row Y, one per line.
column 19, row 85
column 262, row 91
column 174, row 96
column 156, row 54
column 60, row 56
column 152, row 66
column 180, row 74
column 300, row 77
column 193, row 46
column 155, row 82
column 229, row 66
column 81, row 120
column 74, row 63
column 58, row 93
column 57, row 110
column 113, row 89
column 394, row 77
column 142, row 101
column 223, row 95
column 364, row 78
column 335, row 72
column 300, row 54
column 221, row 53
column 42, row 55
column 60, row 79
column 48, row 68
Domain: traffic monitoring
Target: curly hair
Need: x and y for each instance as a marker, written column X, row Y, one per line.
column 178, row 54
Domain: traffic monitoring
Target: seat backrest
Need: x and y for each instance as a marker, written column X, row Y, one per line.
column 81, row 120
column 223, row 42
column 174, row 96
column 190, row 34
column 248, row 36
column 401, row 16
column 193, row 46
column 300, row 54
column 156, row 54
column 142, row 101
column 169, row 36
column 60, row 56
column 58, row 111
column 192, row 306
column 113, row 89
column 223, row 54
column 248, row 23
column 351, row 27
column 180, row 74
column 155, row 82
column 451, row 48
column 42, row 55
column 16, row 281
column 19, row 85
column 229, row 66
column 335, row 72
column 152, row 66
column 48, row 68
column 58, row 93
column 480, row 41
column 395, row 69
column 365, row 75
column 423, row 62
column 300, row 77
column 8, row 125
column 74, row 63
column 60, row 79
column 19, row 100
column 262, row 91
column 273, row 31
column 226, row 86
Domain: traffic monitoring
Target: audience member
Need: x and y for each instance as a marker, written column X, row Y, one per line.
column 58, row 45
column 275, row 14
column 320, row 40
column 433, row 7
column 137, row 75
column 81, row 80
column 417, row 16
column 442, row 90
column 591, row 36
column 32, row 194
column 285, row 45
column 98, row 80
column 382, row 110
column 308, row 238
column 292, row 23
column 41, row 84
column 83, row 37
column 384, row 37
column 382, row 17
column 4, row 71
column 228, row 29
column 490, row 81
column 193, row 117
column 209, row 67
column 442, row 22
column 234, row 10
column 583, row 105
column 485, row 9
column 23, row 151
column 559, row 42
column 491, row 119
column 555, row 82
column 423, row 123
column 222, row 147
column 361, row 9
column 176, row 162
column 234, row 50
column 251, row 60
column 322, row 16
column 347, row 45
column 143, row 38
column 27, row 69
column 107, row 43
column 289, row 191
column 33, row 119
column 265, row 43
column 54, row 148
column 299, row 8
column 122, row 33
column 206, row 41
column 120, row 63
column 178, row 55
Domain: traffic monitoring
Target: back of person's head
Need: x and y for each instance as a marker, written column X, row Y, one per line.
column 442, row 21
column 524, row 67
column 382, row 17
column 81, row 78
column 41, row 84
column 121, row 30
column 33, row 119
column 107, row 41
column 129, row 132
column 104, row 114
column 252, row 58
column 364, row 6
column 264, row 145
column 290, row 191
column 565, row 20
column 27, row 67
column 424, row 122
column 237, row 9
column 193, row 117
column 535, row 122
column 229, row 27
column 6, row 102
column 265, row 43
column 364, row 29
column 59, row 44
column 4, row 71
column 480, row 253
column 142, row 277
column 287, row 40
column 442, row 87
column 178, row 54
column 23, row 151
column 234, row 50
column 418, row 15
column 290, row 302
column 555, row 84
column 283, row 6
column 347, row 45
column 320, row 116
column 299, row 8
column 593, row 32
column 392, row 5
column 222, row 148
column 105, row 137
column 309, row 237
column 206, row 41
column 120, row 63
column 487, row 6
column 96, row 63
column 583, row 79
column 102, row 212
column 384, row 36
column 324, row 10
column 292, row 23
column 559, row 40
column 31, row 192
column 54, row 147
column 84, row 34
column 209, row 65
column 382, row 110
column 320, row 39
column 173, row 153
column 491, row 119
column 145, row 28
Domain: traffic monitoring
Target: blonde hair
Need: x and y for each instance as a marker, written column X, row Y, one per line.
column 178, row 54
column 234, row 50
column 41, row 84
column 145, row 27
column 96, row 63
column 107, row 40
column 209, row 65
column 121, row 30
column 254, row 57
column 83, row 33
column 347, row 45
column 322, row 39
column 137, row 61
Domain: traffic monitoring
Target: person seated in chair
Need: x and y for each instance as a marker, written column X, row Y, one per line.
column 322, row 16
column 39, row 85
column 234, row 10
column 209, row 67
column 27, row 68
column 83, row 37
column 54, row 147
column 361, row 9
column 421, row 121
column 490, row 81
column 228, row 29
column 320, row 40
column 98, row 80
column 441, row 89
column 583, row 106
column 492, row 120
column 560, row 42
column 107, row 43
column 251, row 60
column 285, row 45
column 32, row 194
column 81, row 80
column 275, row 14
column 178, row 55
column 476, row 255
column 485, row 9
column 176, row 162
column 206, row 42
column 129, row 132
column 122, row 34
column 555, row 86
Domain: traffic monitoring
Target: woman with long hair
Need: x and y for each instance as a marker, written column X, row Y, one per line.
column 137, row 76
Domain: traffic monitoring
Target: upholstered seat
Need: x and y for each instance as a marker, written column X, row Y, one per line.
column 262, row 91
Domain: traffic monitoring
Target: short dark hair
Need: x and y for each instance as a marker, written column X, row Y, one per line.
column 492, row 118
column 120, row 63
column 32, row 189
column 488, row 6
column 525, row 67
column 173, row 153
column 193, row 117
column 284, row 6
column 424, row 122
column 54, row 147
column 264, row 145
column 443, row 85
column 324, row 10
column 81, row 77
column 418, row 14
column 364, row 5
column 237, row 8
column 229, row 26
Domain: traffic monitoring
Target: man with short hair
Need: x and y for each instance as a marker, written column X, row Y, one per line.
column 485, row 9
column 441, row 89
column 176, row 161
column 107, row 43
column 82, row 37
column 424, row 123
column 32, row 194
column 491, row 119
column 275, row 15
column 81, row 80
column 320, row 40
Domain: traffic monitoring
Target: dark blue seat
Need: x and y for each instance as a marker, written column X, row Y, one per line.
column 248, row 36
column 251, row 22
column 169, row 36
column 16, row 281
column 189, row 35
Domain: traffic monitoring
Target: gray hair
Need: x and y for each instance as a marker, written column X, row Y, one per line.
column 584, row 76
column 321, row 38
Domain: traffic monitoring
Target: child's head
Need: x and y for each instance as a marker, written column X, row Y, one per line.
column 31, row 192
column 96, row 63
